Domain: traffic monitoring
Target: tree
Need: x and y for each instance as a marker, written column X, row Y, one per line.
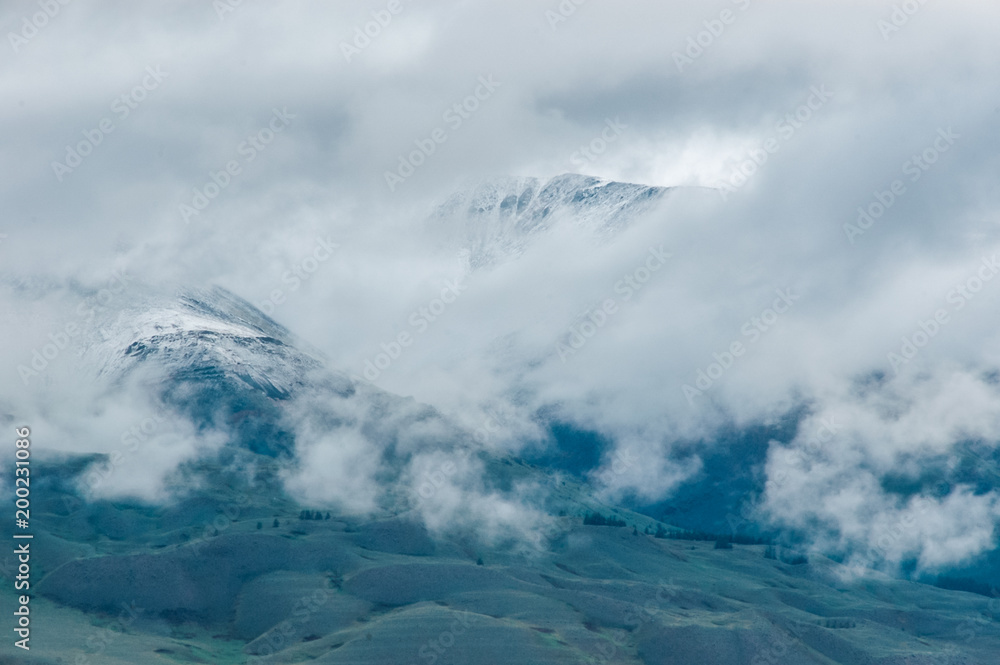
column 596, row 519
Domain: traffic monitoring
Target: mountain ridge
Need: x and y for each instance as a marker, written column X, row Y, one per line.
column 496, row 218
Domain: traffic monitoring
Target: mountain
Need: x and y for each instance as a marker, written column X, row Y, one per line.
column 338, row 523
column 235, row 571
column 212, row 357
column 348, row 590
column 497, row 218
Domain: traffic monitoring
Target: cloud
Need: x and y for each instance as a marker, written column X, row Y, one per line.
column 452, row 496
column 877, row 471
column 335, row 470
column 494, row 349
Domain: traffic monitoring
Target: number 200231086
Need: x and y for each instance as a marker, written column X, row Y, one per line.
column 22, row 476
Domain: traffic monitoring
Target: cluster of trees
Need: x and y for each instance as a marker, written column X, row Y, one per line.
column 313, row 515
column 596, row 519
column 721, row 539
column 726, row 542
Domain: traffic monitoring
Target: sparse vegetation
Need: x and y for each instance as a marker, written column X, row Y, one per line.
column 596, row 519
column 738, row 539
column 787, row 556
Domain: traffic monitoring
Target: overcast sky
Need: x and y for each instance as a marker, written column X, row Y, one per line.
column 309, row 117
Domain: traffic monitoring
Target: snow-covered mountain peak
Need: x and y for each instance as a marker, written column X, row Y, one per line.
column 496, row 218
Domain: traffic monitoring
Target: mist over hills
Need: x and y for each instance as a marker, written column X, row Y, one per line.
column 278, row 508
column 239, row 566
column 462, row 332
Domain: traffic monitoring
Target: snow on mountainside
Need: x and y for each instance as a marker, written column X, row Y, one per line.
column 212, row 356
column 224, row 572
column 202, row 331
column 497, row 218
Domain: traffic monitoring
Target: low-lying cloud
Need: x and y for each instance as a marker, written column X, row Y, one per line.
column 857, row 345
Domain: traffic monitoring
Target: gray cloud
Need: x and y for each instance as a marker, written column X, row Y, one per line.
column 495, row 347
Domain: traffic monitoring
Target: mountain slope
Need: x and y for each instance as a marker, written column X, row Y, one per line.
column 496, row 219
column 235, row 570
